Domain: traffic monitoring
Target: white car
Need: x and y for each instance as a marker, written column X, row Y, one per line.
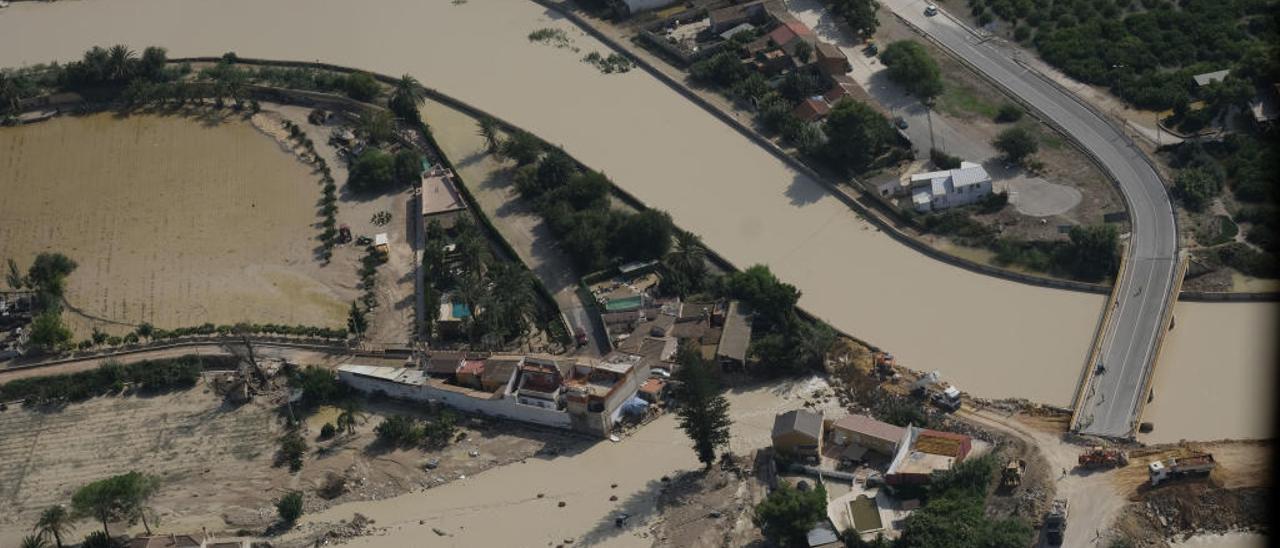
column 931, row 10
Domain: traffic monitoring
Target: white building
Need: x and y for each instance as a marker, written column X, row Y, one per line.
column 937, row 190
column 586, row 396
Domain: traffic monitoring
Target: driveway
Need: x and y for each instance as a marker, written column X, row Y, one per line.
column 925, row 129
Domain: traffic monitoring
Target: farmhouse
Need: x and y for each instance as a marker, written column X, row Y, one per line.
column 867, row 432
column 584, row 396
column 798, row 433
column 938, row 190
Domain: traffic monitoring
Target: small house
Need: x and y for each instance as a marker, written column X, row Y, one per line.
column 735, row 336
column 798, row 433
column 870, row 433
column 830, row 60
column 729, row 17
column 938, row 190
column 811, row 109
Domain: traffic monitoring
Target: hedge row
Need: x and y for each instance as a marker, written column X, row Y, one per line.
column 152, row 376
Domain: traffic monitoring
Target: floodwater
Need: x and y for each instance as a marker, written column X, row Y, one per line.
column 1216, row 376
column 993, row 338
column 172, row 220
column 467, row 509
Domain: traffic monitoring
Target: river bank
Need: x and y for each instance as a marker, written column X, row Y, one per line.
column 747, row 205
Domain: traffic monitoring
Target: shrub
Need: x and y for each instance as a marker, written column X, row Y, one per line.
column 399, row 431
column 289, row 507
column 361, row 86
column 1196, row 187
column 373, row 171
column 942, row 160
column 292, row 449
column 150, row 375
column 1008, row 113
column 327, row 431
column 911, row 67
column 1017, row 144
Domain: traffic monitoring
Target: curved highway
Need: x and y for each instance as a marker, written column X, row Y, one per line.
column 1112, row 399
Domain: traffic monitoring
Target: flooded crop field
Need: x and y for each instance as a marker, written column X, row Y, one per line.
column 173, row 220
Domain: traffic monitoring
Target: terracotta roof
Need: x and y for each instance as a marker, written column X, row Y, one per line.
column 788, row 31
column 811, row 109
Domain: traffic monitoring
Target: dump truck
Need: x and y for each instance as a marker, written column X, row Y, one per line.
column 942, row 394
column 1055, row 522
column 1103, row 457
column 1011, row 476
column 1199, row 464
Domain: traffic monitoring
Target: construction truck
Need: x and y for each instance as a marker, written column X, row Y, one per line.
column 1103, row 457
column 940, row 393
column 1011, row 476
column 1199, row 464
column 1055, row 522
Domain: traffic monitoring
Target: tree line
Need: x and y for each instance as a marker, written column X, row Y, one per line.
column 1146, row 51
column 150, row 376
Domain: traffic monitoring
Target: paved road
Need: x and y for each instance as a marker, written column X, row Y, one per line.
column 1111, row 401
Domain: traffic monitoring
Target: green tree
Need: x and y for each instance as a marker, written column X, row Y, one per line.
column 803, row 52
column 723, row 69
column 292, row 450
column 521, row 147
column 373, row 171
column 856, row 135
column 772, row 300
column 703, row 412
column 289, row 507
column 1196, row 186
column 361, row 86
column 860, row 15
column 319, row 385
column 10, row 97
column 1008, row 113
column 117, row 498
column 1017, row 143
column 356, row 322
column 48, row 274
column 911, row 67
column 643, row 236
column 377, row 126
column 55, row 521
column 48, row 332
column 145, row 330
column 399, row 431
column 787, row 514
column 408, row 167
column 1093, row 252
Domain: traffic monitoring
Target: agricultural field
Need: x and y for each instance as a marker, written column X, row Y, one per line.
column 176, row 220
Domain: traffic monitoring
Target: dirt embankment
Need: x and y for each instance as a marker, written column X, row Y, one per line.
column 712, row 507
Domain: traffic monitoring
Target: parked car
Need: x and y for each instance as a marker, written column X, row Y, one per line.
column 900, row 122
column 931, row 10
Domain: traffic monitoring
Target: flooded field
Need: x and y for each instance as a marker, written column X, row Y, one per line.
column 993, row 338
column 173, row 220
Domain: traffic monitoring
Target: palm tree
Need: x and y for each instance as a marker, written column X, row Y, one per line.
column 120, row 62
column 489, row 130
column 34, row 541
column 687, row 261
column 347, row 418
column 54, row 522
column 409, row 88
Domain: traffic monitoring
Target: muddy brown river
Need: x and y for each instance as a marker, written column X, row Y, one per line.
column 991, row 337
